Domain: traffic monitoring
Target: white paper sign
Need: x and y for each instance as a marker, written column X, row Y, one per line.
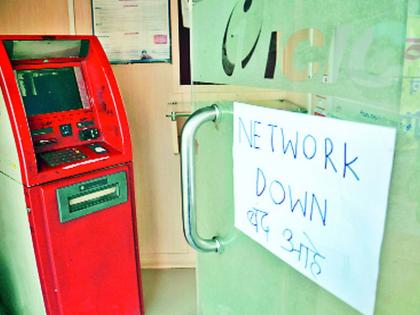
column 314, row 191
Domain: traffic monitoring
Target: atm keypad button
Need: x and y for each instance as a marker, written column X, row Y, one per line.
column 66, row 130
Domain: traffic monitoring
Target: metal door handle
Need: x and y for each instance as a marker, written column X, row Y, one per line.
column 189, row 218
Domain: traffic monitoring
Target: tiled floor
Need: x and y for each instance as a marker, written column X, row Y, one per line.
column 169, row 291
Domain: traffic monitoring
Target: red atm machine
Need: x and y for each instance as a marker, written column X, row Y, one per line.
column 68, row 242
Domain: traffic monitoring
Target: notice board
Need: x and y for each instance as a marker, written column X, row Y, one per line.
column 133, row 30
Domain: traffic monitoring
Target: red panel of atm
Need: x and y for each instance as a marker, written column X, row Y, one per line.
column 88, row 262
column 75, row 159
column 62, row 96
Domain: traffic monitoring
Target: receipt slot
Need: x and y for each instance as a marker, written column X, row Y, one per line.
column 68, row 235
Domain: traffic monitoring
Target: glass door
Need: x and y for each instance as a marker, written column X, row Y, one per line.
column 354, row 60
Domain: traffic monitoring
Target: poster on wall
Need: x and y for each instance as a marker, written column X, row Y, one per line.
column 313, row 191
column 133, row 31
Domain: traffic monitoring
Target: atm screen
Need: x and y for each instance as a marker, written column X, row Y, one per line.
column 51, row 90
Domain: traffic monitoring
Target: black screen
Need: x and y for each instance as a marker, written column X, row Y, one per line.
column 49, row 90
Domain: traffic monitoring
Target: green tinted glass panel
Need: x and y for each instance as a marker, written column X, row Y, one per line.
column 352, row 60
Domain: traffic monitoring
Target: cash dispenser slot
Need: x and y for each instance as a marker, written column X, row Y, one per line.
column 86, row 197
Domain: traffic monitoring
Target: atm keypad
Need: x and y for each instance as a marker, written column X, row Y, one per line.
column 55, row 158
